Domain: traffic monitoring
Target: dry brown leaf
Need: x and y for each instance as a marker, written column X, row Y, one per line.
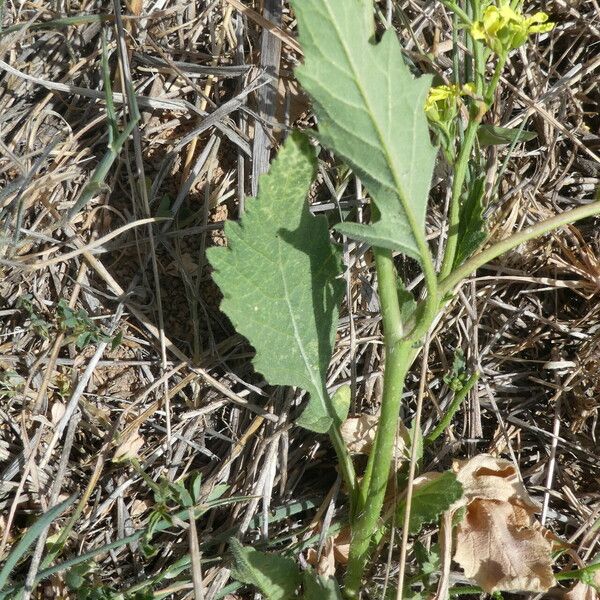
column 136, row 7
column 499, row 543
column 129, row 447
column 324, row 564
column 359, row 435
column 184, row 264
column 292, row 102
column 57, row 411
column 497, row 546
column 582, row 591
column 335, row 552
column 341, row 546
column 140, row 507
column 486, row 476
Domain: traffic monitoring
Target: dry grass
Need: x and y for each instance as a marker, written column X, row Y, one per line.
column 215, row 91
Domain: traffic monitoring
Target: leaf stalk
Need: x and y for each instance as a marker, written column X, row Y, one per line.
column 565, row 218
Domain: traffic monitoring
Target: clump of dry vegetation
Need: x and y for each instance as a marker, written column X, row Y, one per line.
column 123, row 387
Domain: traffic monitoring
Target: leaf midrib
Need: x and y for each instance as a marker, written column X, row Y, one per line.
column 386, row 151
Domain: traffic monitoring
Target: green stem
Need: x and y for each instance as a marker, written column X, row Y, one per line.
column 577, row 573
column 460, row 172
column 463, row 271
column 461, row 590
column 478, row 51
column 346, row 466
column 491, row 88
column 393, row 331
column 398, row 360
column 388, row 296
column 454, row 406
column 457, row 10
column 400, row 353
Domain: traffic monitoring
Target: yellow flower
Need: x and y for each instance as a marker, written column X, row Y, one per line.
column 503, row 29
column 441, row 101
column 441, row 105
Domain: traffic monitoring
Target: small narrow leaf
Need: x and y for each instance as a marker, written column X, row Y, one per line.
column 433, row 494
column 278, row 279
column 492, row 135
column 371, row 114
column 471, row 226
column 276, row 576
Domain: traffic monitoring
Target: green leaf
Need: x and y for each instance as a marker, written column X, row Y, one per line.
column 317, row 587
column 341, row 400
column 413, row 430
column 471, row 225
column 371, row 114
column 276, row 576
column 457, row 377
column 406, row 301
column 431, row 497
column 75, row 578
column 491, row 135
column 278, row 278
column 428, row 559
column 30, row 536
column 459, row 516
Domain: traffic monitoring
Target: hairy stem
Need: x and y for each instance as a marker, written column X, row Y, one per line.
column 401, row 351
column 478, row 56
column 491, row 88
column 393, row 330
column 398, row 360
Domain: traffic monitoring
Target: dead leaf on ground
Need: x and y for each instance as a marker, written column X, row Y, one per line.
column 57, row 411
column 498, row 547
column 129, row 447
column 359, row 435
column 583, row 591
column 486, row 476
column 335, row 552
column 499, row 543
column 324, row 564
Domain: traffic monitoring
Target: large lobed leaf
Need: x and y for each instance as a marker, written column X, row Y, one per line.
column 370, row 111
column 278, row 279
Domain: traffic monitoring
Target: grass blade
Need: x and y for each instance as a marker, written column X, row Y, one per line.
column 32, row 534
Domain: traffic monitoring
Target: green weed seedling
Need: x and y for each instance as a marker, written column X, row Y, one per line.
column 280, row 274
column 77, row 326
column 37, row 323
